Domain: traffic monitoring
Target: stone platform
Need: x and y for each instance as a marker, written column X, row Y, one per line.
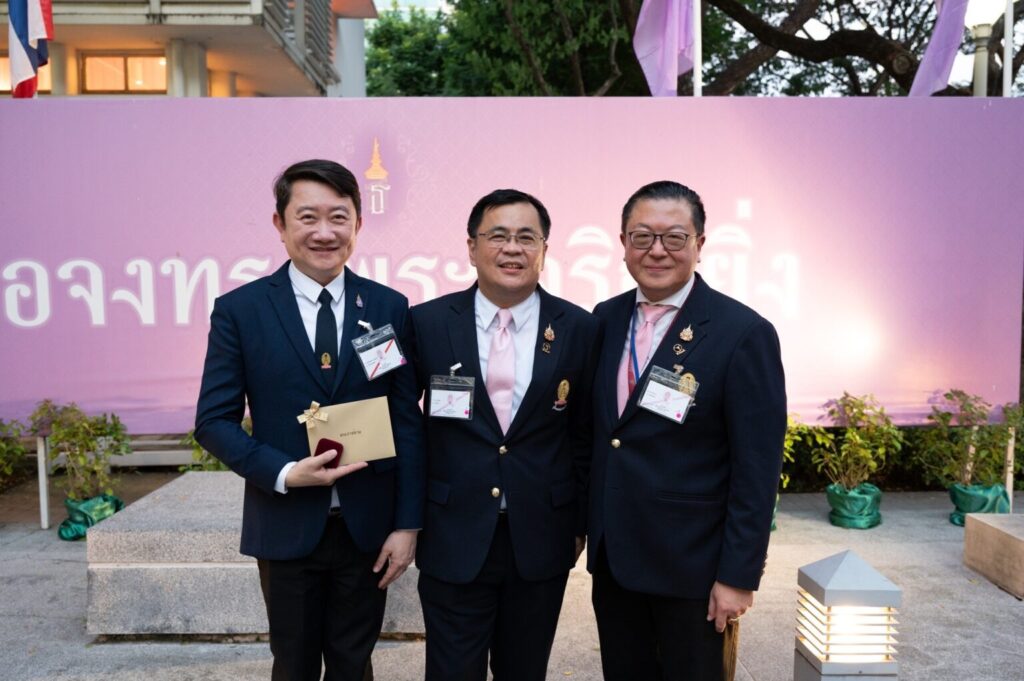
column 994, row 546
column 169, row 564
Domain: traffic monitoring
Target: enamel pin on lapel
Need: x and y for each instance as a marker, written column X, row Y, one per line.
column 563, row 393
column 678, row 349
column 549, row 335
column 686, row 335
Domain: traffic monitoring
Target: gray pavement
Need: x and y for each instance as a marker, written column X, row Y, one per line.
column 954, row 623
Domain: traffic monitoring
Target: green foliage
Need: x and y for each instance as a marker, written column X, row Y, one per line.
column 961, row 446
column 867, row 437
column 87, row 443
column 800, row 436
column 12, row 452
column 203, row 460
column 406, row 56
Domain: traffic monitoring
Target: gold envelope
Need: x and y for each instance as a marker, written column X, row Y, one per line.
column 363, row 427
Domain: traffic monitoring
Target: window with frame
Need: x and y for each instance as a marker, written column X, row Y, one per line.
column 112, row 73
column 43, row 85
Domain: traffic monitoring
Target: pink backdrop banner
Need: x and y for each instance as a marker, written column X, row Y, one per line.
column 882, row 237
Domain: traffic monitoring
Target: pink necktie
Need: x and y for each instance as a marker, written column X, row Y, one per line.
column 501, row 370
column 644, row 335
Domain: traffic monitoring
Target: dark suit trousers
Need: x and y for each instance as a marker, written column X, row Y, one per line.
column 498, row 612
column 324, row 606
column 655, row 638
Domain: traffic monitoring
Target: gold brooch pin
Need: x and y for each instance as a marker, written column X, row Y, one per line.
column 563, row 393
column 678, row 349
column 687, row 334
column 549, row 333
column 546, row 347
column 688, row 383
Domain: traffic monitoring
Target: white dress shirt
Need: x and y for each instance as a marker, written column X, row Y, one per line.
column 525, row 318
column 307, row 294
column 661, row 327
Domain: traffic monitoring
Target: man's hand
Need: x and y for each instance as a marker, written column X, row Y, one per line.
column 581, row 543
column 727, row 602
column 398, row 551
column 310, row 471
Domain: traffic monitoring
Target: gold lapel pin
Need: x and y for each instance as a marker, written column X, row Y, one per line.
column 549, row 333
column 678, row 349
column 687, row 334
column 546, row 347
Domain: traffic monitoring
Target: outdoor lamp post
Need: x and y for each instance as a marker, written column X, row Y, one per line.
column 845, row 621
column 980, row 16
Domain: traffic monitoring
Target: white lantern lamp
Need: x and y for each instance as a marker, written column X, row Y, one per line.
column 845, row 622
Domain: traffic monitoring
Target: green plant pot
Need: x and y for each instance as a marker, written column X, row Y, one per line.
column 977, row 499
column 856, row 509
column 83, row 514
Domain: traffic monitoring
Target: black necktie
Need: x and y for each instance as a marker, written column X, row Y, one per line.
column 326, row 337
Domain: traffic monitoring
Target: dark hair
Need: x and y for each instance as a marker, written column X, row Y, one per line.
column 506, row 197
column 334, row 175
column 667, row 189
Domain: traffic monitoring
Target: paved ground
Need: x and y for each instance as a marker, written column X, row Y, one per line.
column 954, row 624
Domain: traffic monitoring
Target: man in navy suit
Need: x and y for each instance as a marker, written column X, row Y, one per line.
column 681, row 498
column 507, row 370
column 322, row 535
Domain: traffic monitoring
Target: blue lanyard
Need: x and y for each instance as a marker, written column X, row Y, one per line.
column 632, row 345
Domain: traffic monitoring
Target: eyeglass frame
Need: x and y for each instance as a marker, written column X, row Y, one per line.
column 655, row 236
column 512, row 236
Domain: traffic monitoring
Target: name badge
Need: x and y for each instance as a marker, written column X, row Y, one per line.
column 378, row 351
column 451, row 397
column 669, row 394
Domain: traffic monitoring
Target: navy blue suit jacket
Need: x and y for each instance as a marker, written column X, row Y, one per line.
column 259, row 353
column 679, row 506
column 543, row 472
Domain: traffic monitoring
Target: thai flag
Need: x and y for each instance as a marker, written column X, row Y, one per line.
column 31, row 25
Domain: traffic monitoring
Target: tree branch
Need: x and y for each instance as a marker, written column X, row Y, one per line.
column 612, row 59
column 737, row 72
column 531, row 58
column 896, row 59
column 574, row 55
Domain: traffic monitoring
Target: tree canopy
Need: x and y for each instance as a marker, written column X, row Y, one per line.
column 584, row 47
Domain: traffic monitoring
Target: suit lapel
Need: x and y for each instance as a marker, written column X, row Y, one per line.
column 544, row 363
column 354, row 313
column 462, row 334
column 693, row 315
column 282, row 299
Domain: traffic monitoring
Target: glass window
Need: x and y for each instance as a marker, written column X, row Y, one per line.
column 114, row 73
column 44, row 84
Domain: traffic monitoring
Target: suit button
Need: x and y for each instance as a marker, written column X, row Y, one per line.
column 495, row 492
column 503, row 450
column 616, row 443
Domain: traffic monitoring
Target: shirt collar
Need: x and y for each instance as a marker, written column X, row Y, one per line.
column 487, row 312
column 310, row 289
column 675, row 300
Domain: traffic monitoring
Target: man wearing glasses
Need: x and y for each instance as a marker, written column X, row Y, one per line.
column 690, row 415
column 506, row 369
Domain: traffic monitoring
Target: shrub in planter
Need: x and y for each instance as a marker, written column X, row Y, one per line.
column 12, row 452
column 86, row 443
column 866, row 436
column 797, row 435
column 963, row 451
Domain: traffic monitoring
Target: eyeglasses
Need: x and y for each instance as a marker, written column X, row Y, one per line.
column 672, row 241
column 498, row 238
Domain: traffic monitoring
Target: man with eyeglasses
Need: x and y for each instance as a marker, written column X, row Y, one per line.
column 690, row 415
column 506, row 368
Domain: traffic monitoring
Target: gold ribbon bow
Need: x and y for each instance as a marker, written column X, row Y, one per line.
column 312, row 415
